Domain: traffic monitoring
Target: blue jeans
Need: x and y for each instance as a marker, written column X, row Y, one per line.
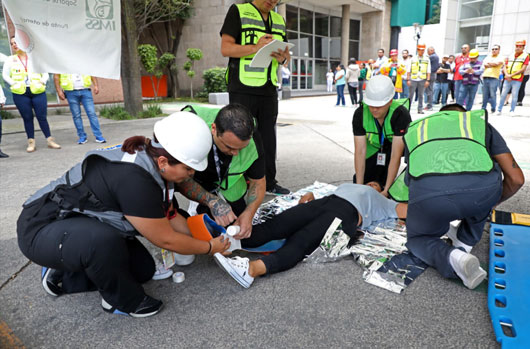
column 28, row 102
column 467, row 94
column 510, row 85
column 405, row 93
column 443, row 88
column 458, row 83
column 340, row 94
column 75, row 99
column 489, row 92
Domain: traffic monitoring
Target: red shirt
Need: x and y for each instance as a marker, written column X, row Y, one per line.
column 459, row 60
column 525, row 63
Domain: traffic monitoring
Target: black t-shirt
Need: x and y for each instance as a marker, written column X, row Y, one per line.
column 442, row 78
column 232, row 27
column 399, row 123
column 209, row 176
column 125, row 188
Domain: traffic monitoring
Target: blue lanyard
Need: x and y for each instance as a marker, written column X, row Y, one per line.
column 382, row 132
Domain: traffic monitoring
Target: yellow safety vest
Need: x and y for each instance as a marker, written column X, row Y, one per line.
column 516, row 64
column 67, row 81
column 418, row 68
column 18, row 74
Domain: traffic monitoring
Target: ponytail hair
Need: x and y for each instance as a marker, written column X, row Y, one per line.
column 139, row 143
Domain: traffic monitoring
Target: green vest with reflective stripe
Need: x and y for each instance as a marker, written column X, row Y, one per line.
column 67, row 81
column 234, row 184
column 18, row 74
column 448, row 142
column 373, row 139
column 399, row 191
column 252, row 29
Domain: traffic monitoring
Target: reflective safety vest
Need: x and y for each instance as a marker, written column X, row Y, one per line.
column 67, row 81
column 399, row 191
column 71, row 194
column 448, row 142
column 252, row 29
column 233, row 184
column 418, row 68
column 18, row 74
column 515, row 64
column 373, row 138
column 368, row 73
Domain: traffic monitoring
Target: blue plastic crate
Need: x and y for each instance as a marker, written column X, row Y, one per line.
column 509, row 284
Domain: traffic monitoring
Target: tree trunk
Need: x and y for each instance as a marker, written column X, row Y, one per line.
column 130, row 61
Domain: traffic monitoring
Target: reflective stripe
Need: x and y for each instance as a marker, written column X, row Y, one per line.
column 248, row 68
column 250, row 21
column 465, row 128
column 278, row 26
column 421, row 134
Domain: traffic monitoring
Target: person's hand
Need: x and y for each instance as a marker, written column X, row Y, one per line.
column 281, row 55
column 222, row 212
column 508, row 77
column 219, row 244
column 60, row 93
column 426, row 83
column 306, row 198
column 385, row 193
column 409, row 83
column 264, row 40
column 245, row 224
column 96, row 90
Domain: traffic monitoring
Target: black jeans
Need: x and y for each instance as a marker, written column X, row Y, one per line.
column 522, row 88
column 92, row 255
column 304, row 227
column 265, row 111
column 353, row 94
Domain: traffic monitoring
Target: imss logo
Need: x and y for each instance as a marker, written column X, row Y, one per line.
column 100, row 14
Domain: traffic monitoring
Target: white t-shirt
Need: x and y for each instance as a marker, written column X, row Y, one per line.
column 372, row 206
column 451, row 75
column 330, row 76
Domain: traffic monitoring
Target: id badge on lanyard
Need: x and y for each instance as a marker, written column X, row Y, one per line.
column 381, row 157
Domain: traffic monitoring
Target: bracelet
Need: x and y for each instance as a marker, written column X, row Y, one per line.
column 209, row 249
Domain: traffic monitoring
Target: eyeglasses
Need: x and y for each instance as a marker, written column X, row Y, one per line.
column 495, row 49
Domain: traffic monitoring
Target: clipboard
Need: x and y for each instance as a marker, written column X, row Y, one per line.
column 263, row 58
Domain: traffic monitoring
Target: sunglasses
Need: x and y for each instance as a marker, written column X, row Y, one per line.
column 495, row 49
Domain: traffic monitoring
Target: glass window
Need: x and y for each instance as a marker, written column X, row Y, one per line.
column 306, row 45
column 353, row 51
column 321, row 24
column 355, row 29
column 4, row 53
column 334, row 47
column 321, row 47
column 293, row 38
column 294, row 74
column 321, row 69
column 292, row 18
column 336, row 26
column 306, row 21
column 476, row 8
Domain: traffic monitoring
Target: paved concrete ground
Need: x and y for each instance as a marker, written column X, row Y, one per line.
column 308, row 306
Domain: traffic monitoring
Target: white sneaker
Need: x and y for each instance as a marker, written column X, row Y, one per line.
column 235, row 244
column 467, row 267
column 452, row 234
column 236, row 267
column 162, row 273
column 183, row 259
column 499, row 112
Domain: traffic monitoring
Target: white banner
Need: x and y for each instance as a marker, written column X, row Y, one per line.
column 69, row 36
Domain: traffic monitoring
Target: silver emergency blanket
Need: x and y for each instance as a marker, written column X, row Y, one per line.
column 380, row 250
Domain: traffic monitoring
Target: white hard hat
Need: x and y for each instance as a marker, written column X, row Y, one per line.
column 379, row 91
column 186, row 137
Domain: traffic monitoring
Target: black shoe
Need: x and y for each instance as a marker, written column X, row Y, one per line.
column 520, row 104
column 278, row 190
column 3, row 155
column 148, row 307
column 50, row 282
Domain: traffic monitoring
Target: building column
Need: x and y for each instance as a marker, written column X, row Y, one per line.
column 282, row 11
column 345, row 35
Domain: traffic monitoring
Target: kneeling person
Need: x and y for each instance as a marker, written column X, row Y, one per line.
column 235, row 157
column 378, row 129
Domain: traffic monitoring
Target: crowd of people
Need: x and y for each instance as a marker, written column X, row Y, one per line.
column 429, row 80
column 82, row 228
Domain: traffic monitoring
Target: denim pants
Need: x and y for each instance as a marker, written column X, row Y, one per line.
column 28, row 102
column 443, row 88
column 405, row 93
column 340, row 95
column 467, row 95
column 75, row 99
column 489, row 92
column 458, row 83
column 417, row 88
column 514, row 86
column 429, row 91
column 428, row 220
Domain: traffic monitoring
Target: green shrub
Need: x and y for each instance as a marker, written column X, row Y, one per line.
column 7, row 115
column 152, row 111
column 214, row 80
column 115, row 113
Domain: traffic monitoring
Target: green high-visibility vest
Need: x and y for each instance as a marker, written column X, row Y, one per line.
column 373, row 138
column 18, row 73
column 448, row 142
column 252, row 29
column 234, row 184
column 67, row 81
column 399, row 191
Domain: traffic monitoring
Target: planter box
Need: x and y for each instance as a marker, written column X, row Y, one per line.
column 219, row 98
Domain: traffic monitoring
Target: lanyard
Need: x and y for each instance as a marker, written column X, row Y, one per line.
column 217, row 161
column 382, row 140
column 24, row 64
